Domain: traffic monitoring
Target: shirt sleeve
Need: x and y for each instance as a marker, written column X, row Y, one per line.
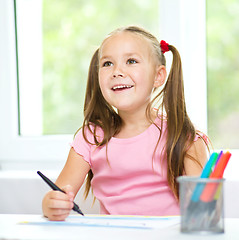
column 202, row 136
column 81, row 146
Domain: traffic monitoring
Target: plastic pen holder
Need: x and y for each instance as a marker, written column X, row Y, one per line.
column 206, row 215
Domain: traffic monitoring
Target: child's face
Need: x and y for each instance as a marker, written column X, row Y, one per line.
column 127, row 71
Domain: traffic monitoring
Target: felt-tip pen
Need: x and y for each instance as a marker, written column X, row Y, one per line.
column 54, row 187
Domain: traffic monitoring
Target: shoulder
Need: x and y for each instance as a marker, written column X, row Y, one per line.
column 202, row 136
column 89, row 133
column 196, row 155
column 84, row 141
column 198, row 147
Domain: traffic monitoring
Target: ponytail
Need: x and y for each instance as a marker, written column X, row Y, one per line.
column 181, row 132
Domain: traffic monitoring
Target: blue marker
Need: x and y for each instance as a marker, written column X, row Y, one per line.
column 205, row 174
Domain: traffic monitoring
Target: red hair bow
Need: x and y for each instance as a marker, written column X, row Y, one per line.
column 164, row 46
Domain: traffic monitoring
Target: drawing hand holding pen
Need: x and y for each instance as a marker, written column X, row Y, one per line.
column 56, row 188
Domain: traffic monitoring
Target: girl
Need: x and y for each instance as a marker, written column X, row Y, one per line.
column 131, row 151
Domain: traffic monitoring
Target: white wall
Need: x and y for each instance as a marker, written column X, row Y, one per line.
column 22, row 192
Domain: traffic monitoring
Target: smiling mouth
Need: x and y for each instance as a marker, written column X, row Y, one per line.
column 121, row 87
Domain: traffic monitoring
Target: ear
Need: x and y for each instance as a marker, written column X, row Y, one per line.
column 160, row 76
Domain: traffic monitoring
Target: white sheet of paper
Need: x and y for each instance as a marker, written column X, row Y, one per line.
column 113, row 221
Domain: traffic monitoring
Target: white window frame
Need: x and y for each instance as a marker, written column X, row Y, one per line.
column 30, row 61
column 182, row 23
column 17, row 152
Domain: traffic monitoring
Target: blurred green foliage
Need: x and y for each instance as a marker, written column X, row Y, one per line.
column 72, row 30
column 223, row 72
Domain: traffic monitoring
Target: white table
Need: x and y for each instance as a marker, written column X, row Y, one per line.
column 11, row 229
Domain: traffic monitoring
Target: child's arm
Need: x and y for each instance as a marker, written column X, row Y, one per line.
column 197, row 151
column 57, row 205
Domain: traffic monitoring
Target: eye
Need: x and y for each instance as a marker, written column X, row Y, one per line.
column 131, row 61
column 107, row 64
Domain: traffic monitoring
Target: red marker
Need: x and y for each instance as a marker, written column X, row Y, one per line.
column 211, row 188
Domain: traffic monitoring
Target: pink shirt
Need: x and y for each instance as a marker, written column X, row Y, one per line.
column 131, row 182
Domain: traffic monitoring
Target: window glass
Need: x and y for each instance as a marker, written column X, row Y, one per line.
column 223, row 72
column 65, row 35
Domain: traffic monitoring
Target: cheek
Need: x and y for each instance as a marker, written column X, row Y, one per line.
column 137, row 76
column 144, row 78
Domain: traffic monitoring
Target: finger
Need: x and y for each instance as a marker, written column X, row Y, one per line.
column 60, row 204
column 60, row 212
column 60, row 196
column 58, row 218
column 61, row 217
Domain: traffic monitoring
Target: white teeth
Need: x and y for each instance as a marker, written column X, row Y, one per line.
column 122, row 86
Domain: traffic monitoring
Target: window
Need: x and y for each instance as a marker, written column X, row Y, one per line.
column 223, row 72
column 55, row 41
column 54, row 51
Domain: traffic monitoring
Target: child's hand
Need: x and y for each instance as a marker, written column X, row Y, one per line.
column 57, row 205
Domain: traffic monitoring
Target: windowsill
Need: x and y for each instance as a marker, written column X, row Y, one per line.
column 22, row 192
column 31, row 166
column 54, row 167
column 27, row 174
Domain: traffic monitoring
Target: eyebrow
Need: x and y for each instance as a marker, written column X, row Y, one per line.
column 105, row 57
column 127, row 55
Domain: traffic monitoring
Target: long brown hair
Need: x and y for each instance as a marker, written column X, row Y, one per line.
column 180, row 130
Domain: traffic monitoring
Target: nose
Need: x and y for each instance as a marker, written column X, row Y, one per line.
column 118, row 72
column 118, row 75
